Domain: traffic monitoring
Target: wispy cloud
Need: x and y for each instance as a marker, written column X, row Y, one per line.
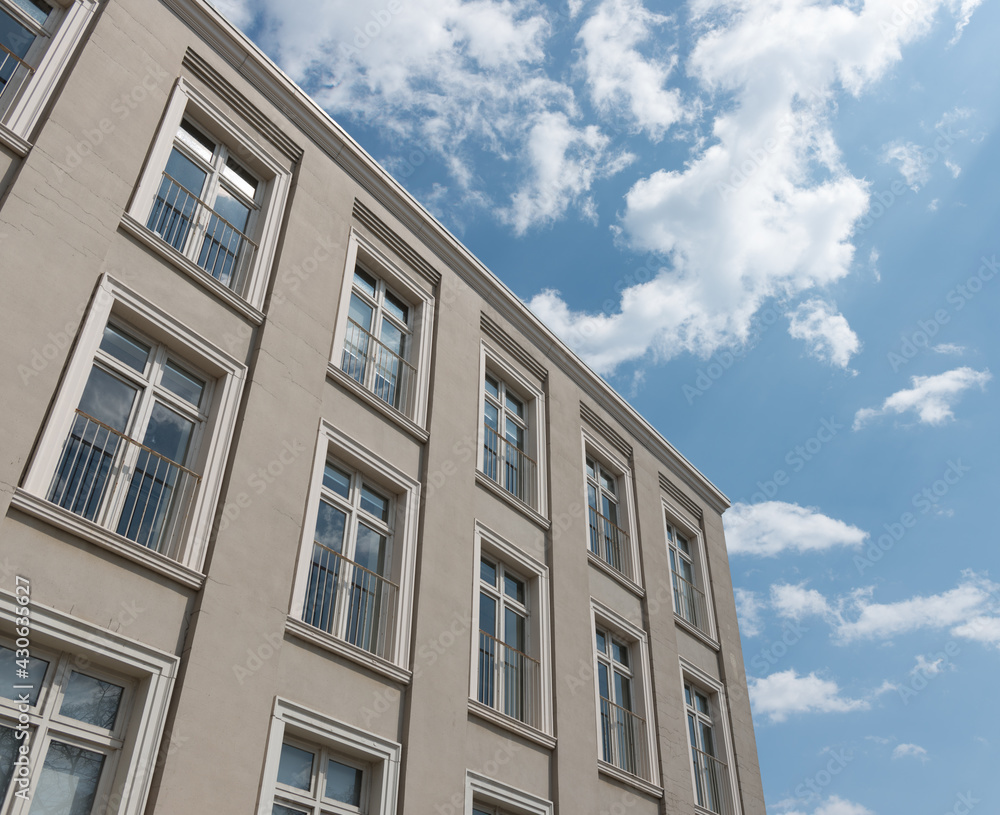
column 911, row 162
column 749, row 609
column 910, row 751
column 931, row 397
column 834, row 805
column 783, row 694
column 825, row 331
column 772, row 527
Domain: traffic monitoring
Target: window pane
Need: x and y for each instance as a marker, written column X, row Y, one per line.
column 91, row 701
column 9, row 678
column 591, row 496
column 623, row 691
column 513, row 630
column 513, row 588
column 515, row 434
column 374, row 504
column 702, row 703
column 488, row 572
column 591, row 468
column 231, row 208
column 707, row 739
column 189, row 175
column 492, row 387
column 36, row 9
column 281, row 809
column 295, row 767
column 343, row 783
column 200, row 144
column 397, row 308
column 16, row 39
column 68, row 784
column 364, row 281
column 124, row 348
column 108, row 399
column 683, row 545
column 602, row 643
column 178, row 381
column 392, row 338
column 168, row 434
column 608, row 482
column 370, row 550
column 336, row 480
column 330, row 525
column 8, row 752
column 515, row 405
column 491, row 415
column 609, row 509
column 487, row 614
column 602, row 681
column 361, row 312
column 241, row 178
column 619, row 652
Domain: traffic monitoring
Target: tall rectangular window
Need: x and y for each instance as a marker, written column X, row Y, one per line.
column 22, row 25
column 349, row 593
column 608, row 540
column 378, row 340
column 689, row 599
column 505, row 421
column 124, row 461
column 623, row 731
column 712, row 782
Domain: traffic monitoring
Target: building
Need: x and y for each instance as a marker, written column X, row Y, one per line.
column 307, row 512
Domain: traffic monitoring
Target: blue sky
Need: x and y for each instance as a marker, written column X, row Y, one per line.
column 771, row 224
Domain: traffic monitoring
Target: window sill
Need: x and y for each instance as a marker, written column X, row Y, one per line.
column 477, row 708
column 191, row 269
column 488, row 483
column 613, row 573
column 335, row 374
column 92, row 533
column 610, row 770
column 13, row 142
column 327, row 642
column 696, row 632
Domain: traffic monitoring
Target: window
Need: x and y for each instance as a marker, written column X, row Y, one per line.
column 206, row 206
column 133, row 453
column 623, row 689
column 137, row 425
column 504, row 438
column 378, row 341
column 92, row 704
column 354, row 583
column 76, row 721
column 382, row 345
column 511, row 648
column 210, row 199
column 349, row 594
column 316, row 781
column 317, row 765
column 711, row 775
column 689, row 600
column 487, row 796
column 37, row 39
column 509, row 679
column 608, row 540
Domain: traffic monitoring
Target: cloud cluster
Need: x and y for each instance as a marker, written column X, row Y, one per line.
column 785, row 693
column 931, row 398
column 826, row 332
column 773, row 527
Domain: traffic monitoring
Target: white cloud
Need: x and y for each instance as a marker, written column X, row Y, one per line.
column 962, row 9
column 798, row 602
column 931, row 397
column 911, row 162
column 772, row 527
column 910, row 751
column 765, row 207
column 620, row 78
column 825, row 331
column 749, row 609
column 782, row 694
column 948, row 348
column 933, row 205
column 238, row 12
column 927, row 668
column 835, row 805
column 967, row 610
column 955, row 170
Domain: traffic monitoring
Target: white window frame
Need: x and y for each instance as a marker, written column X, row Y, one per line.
column 114, row 300
column 488, row 543
column 606, row 619
column 404, row 492
column 673, row 517
column 716, row 690
column 482, row 791
column 594, row 449
column 186, row 102
column 99, row 651
column 295, row 722
column 66, row 26
column 364, row 253
column 492, row 361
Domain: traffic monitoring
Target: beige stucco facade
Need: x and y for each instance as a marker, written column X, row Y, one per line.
column 205, row 632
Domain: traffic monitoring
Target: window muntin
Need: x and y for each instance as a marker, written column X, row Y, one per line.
column 689, row 599
column 207, row 205
column 139, row 421
column 349, row 593
column 504, row 440
column 508, row 679
column 608, row 540
column 77, row 715
column 314, row 780
column 378, row 341
column 711, row 774
column 623, row 730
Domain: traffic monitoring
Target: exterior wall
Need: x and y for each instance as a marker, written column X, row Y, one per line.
column 61, row 230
